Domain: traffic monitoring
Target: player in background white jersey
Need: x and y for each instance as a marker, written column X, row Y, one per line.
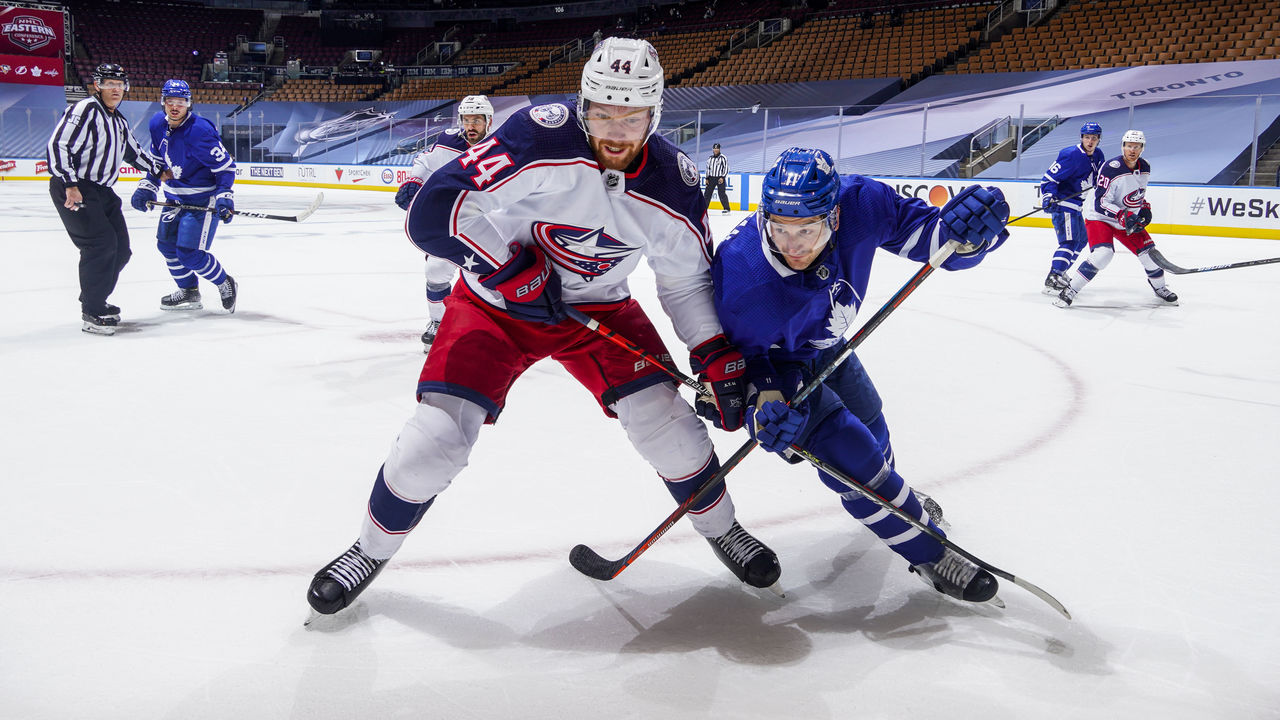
column 556, row 208
column 475, row 122
column 1120, row 211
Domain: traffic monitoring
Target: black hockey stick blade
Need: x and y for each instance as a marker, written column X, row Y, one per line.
column 1167, row 266
column 1032, row 588
column 315, row 204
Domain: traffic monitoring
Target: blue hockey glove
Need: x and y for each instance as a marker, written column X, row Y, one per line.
column 976, row 217
column 775, row 425
column 720, row 367
column 406, row 193
column 145, row 193
column 1050, row 204
column 224, row 207
column 529, row 284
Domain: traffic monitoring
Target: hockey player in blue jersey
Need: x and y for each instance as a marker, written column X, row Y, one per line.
column 203, row 171
column 788, row 283
column 1062, row 190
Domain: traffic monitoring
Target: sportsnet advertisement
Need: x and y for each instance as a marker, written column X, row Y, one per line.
column 32, row 43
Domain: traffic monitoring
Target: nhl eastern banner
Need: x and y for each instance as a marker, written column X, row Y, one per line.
column 31, row 46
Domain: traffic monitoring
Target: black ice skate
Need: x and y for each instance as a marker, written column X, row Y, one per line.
column 111, row 313
column 954, row 575
column 1165, row 294
column 429, row 336
column 228, row 290
column 182, row 299
column 1065, row 297
column 746, row 557
column 100, row 324
column 339, row 583
column 1054, row 282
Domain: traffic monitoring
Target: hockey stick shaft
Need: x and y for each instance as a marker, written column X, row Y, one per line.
column 592, row 564
column 923, row 527
column 246, row 213
column 1043, row 209
column 1177, row 270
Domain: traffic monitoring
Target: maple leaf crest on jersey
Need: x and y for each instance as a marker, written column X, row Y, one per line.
column 589, row 253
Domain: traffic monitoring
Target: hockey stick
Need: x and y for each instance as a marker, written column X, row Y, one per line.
column 593, row 565
column 872, row 496
column 1176, row 270
column 248, row 213
column 1043, row 208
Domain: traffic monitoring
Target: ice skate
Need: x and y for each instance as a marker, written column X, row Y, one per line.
column 746, row 557
column 1054, row 283
column 1065, row 297
column 1165, row 294
column 954, row 575
column 111, row 313
column 339, row 583
column 182, row 299
column 429, row 336
column 100, row 324
column 228, row 290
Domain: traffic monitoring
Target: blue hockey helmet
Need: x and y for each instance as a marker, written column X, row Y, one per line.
column 1091, row 128
column 176, row 88
column 802, row 183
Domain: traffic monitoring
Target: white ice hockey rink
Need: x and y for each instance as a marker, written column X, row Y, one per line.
column 169, row 491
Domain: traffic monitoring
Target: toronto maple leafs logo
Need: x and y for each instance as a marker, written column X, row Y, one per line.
column 589, row 253
column 844, row 308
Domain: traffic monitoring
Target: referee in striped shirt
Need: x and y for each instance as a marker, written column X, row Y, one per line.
column 84, row 154
column 717, row 170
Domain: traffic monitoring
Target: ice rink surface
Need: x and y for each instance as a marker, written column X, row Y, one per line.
column 168, row 493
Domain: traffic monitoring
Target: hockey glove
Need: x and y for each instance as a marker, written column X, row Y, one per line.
column 529, row 284
column 145, row 193
column 775, row 425
column 406, row 193
column 1134, row 221
column 720, row 367
column 976, row 217
column 225, row 207
column 1050, row 204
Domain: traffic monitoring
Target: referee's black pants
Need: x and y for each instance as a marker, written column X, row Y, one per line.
column 714, row 184
column 98, row 230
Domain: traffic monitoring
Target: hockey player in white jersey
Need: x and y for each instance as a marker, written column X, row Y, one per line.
column 475, row 122
column 1120, row 212
column 556, row 209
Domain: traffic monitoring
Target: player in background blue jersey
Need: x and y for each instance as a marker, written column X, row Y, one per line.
column 190, row 147
column 787, row 285
column 1062, row 194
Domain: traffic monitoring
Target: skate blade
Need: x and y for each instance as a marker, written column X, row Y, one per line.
column 773, row 592
column 98, row 329
column 996, row 601
column 179, row 308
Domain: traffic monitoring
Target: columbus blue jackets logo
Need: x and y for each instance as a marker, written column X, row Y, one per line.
column 1135, row 199
column 688, row 170
column 552, row 116
column 589, row 253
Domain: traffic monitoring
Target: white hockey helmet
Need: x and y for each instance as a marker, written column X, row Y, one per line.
column 622, row 71
column 1134, row 136
column 476, row 105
